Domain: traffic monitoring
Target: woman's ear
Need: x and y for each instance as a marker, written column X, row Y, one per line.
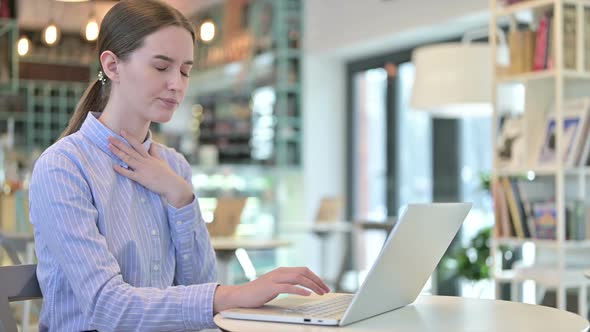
column 110, row 65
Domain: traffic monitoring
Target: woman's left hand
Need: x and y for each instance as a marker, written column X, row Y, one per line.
column 149, row 170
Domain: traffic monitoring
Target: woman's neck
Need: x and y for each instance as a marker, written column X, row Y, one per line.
column 118, row 118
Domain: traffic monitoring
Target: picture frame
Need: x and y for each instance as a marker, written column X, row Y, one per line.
column 575, row 129
column 510, row 148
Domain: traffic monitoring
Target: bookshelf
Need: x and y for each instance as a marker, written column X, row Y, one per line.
column 540, row 185
column 40, row 111
column 40, row 91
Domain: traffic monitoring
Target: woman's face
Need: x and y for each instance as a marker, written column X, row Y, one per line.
column 154, row 78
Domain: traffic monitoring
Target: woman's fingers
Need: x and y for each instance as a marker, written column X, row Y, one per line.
column 309, row 274
column 123, row 155
column 125, row 172
column 137, row 146
column 290, row 289
column 306, row 282
column 301, row 276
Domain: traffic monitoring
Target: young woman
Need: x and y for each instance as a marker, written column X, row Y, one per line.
column 118, row 231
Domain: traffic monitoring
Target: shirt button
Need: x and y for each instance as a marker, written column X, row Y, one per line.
column 154, row 233
column 185, row 256
column 156, row 267
column 142, row 200
column 179, row 223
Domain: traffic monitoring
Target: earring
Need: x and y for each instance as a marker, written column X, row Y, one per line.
column 102, row 77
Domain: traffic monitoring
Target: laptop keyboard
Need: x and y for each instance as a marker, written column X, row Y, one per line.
column 333, row 307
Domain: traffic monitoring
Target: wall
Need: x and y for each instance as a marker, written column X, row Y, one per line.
column 337, row 31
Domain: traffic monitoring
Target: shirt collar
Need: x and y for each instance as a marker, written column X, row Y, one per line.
column 98, row 133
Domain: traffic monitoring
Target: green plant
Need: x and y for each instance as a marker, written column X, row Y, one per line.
column 472, row 261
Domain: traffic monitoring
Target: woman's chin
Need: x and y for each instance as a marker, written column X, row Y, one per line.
column 162, row 116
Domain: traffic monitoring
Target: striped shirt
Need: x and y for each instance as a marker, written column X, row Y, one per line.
column 113, row 255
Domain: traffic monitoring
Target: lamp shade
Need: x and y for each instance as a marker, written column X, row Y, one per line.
column 453, row 80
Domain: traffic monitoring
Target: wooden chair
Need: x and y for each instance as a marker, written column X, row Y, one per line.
column 330, row 210
column 17, row 283
column 227, row 216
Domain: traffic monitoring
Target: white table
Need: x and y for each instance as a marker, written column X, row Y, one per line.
column 225, row 248
column 440, row 313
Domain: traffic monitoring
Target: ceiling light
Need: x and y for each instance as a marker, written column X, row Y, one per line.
column 23, row 46
column 207, row 31
column 91, row 32
column 51, row 34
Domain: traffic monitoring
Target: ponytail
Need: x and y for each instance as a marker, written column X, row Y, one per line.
column 94, row 99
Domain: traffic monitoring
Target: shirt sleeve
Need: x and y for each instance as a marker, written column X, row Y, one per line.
column 195, row 257
column 65, row 218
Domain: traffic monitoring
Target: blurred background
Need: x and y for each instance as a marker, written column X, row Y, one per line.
column 310, row 124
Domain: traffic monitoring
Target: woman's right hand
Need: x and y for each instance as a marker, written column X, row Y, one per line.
column 258, row 292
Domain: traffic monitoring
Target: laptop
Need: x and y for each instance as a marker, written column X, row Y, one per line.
column 409, row 256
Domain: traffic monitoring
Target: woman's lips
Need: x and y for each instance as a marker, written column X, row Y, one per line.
column 168, row 102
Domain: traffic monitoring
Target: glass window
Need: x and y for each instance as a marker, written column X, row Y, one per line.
column 370, row 163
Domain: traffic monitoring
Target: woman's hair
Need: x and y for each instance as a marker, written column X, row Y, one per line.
column 122, row 31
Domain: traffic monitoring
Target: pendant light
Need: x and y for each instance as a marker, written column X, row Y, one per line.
column 92, row 28
column 51, row 34
column 23, row 46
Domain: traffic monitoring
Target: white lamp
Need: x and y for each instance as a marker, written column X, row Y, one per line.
column 455, row 79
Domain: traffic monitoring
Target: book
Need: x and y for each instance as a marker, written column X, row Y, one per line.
column 520, row 206
column 577, row 221
column 502, row 217
column 522, row 48
column 527, row 208
column 545, row 216
column 513, row 208
column 541, row 42
column 569, row 37
column 550, row 46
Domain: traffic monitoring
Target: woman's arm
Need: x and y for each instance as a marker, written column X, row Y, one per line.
column 195, row 258
column 65, row 220
column 150, row 170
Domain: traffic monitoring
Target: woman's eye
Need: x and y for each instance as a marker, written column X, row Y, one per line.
column 161, row 68
column 183, row 74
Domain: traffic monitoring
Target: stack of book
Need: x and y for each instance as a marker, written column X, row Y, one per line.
column 518, row 213
column 534, row 49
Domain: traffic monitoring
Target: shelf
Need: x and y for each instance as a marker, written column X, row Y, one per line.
column 45, row 61
column 523, row 6
column 542, row 171
column 543, row 75
column 539, row 171
column 534, row 5
column 17, row 116
column 568, row 244
column 549, row 276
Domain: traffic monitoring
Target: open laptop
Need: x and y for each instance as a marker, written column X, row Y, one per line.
column 407, row 259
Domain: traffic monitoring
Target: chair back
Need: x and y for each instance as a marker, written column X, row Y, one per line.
column 227, row 216
column 330, row 210
column 17, row 283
